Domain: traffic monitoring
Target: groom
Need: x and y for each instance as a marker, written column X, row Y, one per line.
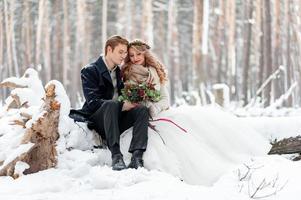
column 101, row 82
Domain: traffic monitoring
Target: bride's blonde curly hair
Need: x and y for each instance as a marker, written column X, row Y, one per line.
column 150, row 60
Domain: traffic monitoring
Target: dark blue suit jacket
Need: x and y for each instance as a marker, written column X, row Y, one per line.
column 97, row 87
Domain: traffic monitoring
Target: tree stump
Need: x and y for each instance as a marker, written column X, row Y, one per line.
column 43, row 134
column 221, row 94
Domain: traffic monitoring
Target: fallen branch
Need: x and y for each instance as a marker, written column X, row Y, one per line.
column 264, row 84
column 263, row 189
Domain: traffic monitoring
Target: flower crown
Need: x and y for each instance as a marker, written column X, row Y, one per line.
column 139, row 43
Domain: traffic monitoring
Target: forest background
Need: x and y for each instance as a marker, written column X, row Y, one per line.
column 252, row 47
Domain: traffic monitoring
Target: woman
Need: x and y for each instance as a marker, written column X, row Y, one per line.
column 197, row 144
column 142, row 66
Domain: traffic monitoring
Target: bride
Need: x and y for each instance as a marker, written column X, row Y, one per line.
column 196, row 144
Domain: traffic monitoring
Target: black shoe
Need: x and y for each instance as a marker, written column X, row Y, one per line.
column 117, row 162
column 135, row 163
column 136, row 160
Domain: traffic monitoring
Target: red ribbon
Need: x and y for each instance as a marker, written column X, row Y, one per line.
column 168, row 120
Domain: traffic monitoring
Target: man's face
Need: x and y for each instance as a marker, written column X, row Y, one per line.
column 118, row 54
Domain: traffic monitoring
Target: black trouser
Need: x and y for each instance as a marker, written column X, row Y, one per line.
column 110, row 122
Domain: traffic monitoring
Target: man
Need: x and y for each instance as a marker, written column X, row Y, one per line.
column 102, row 83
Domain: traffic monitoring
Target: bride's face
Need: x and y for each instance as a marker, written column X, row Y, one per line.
column 136, row 57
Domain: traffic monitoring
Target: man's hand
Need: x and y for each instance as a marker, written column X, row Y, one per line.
column 128, row 106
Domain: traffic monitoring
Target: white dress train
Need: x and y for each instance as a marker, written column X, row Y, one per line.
column 214, row 142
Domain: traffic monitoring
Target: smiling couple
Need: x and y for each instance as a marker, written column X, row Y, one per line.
column 102, row 82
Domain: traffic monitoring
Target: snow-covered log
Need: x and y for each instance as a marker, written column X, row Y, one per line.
column 39, row 140
column 287, row 146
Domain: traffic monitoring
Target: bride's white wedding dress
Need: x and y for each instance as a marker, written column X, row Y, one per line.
column 214, row 142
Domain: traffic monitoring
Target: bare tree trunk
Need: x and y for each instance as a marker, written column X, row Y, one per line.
column 87, row 33
column 66, row 47
column 198, row 71
column 298, row 28
column 261, row 60
column 39, row 31
column 134, row 28
column 257, row 47
column 124, row 23
column 288, row 75
column 57, row 42
column 247, row 52
column 296, row 51
column 230, row 22
column 13, row 40
column 160, row 28
column 46, row 49
column 1, row 37
column 267, row 34
column 173, row 50
column 277, row 84
column 239, row 53
column 219, row 29
column 2, row 69
column 128, row 26
column 80, row 47
column 8, row 39
column 28, row 37
column 205, row 36
column 147, row 22
column 104, row 21
column 185, row 16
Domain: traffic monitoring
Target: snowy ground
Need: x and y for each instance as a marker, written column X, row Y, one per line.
column 221, row 157
column 79, row 176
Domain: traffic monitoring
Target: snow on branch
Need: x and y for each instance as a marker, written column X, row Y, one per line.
column 278, row 103
column 27, row 90
column 269, row 79
column 264, row 84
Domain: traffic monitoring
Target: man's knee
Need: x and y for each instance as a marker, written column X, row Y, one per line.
column 142, row 110
column 111, row 104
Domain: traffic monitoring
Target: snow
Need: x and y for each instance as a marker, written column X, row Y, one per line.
column 61, row 96
column 30, row 79
column 14, row 153
column 21, row 167
column 275, row 127
column 220, row 157
column 32, row 93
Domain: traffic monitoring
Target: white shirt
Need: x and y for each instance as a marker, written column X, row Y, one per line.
column 112, row 73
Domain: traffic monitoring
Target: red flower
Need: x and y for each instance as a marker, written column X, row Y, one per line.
column 141, row 93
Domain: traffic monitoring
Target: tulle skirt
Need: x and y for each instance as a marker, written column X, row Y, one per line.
column 198, row 144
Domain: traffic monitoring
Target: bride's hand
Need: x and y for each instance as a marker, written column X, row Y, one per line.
column 128, row 106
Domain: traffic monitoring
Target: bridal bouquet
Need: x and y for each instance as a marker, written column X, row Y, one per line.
column 142, row 92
